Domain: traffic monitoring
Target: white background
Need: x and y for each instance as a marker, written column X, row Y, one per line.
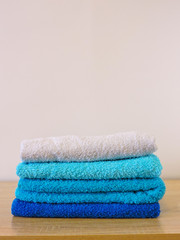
column 89, row 67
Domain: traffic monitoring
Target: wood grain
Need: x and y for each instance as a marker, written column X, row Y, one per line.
column 167, row 226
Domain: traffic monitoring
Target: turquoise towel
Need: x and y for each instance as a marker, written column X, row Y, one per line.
column 82, row 186
column 133, row 197
column 141, row 167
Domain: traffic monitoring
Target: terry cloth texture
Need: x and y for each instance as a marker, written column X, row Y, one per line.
column 148, row 196
column 101, row 210
column 88, row 186
column 141, row 167
column 92, row 148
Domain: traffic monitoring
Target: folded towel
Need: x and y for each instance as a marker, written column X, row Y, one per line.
column 92, row 148
column 88, row 186
column 133, row 197
column 101, row 210
column 141, row 167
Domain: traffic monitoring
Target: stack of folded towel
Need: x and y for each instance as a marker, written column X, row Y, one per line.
column 114, row 176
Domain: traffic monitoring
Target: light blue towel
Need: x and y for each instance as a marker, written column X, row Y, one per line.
column 148, row 196
column 87, row 186
column 141, row 167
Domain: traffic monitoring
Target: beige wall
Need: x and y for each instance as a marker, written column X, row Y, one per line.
column 89, row 67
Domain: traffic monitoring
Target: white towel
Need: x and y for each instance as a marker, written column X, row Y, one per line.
column 89, row 148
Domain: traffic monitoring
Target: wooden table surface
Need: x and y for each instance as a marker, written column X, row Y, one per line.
column 167, row 226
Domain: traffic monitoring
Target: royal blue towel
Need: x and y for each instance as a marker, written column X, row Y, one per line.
column 87, row 186
column 133, row 197
column 141, row 167
column 92, row 210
